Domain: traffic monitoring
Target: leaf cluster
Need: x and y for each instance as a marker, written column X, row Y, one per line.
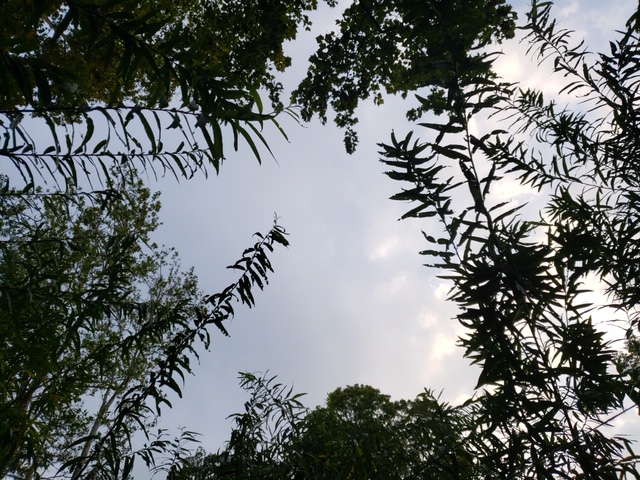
column 358, row 433
column 90, row 66
column 260, row 438
column 123, row 323
column 548, row 375
column 59, row 52
column 396, row 47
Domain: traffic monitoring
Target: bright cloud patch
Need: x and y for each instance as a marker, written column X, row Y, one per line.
column 384, row 249
column 442, row 291
column 442, row 346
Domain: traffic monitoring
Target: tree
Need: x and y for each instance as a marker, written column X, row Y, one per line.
column 83, row 269
column 548, row 381
column 117, row 51
column 98, row 326
column 359, row 433
column 132, row 69
column 105, row 80
column 261, row 440
column 397, row 46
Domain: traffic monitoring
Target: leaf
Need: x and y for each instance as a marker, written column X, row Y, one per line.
column 65, row 22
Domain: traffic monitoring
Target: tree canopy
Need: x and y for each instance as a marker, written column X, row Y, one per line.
column 549, row 379
column 107, row 298
column 61, row 53
column 121, row 331
column 358, row 433
column 131, row 69
column 98, row 326
column 397, row 46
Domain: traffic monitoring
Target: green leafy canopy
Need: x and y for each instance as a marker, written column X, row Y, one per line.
column 397, row 47
column 358, row 433
column 123, row 323
column 106, row 79
column 548, row 380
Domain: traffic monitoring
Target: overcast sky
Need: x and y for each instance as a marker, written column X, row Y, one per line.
column 350, row 301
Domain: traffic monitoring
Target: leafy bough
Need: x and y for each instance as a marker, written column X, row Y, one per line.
column 156, row 71
column 133, row 138
column 548, row 380
column 174, row 362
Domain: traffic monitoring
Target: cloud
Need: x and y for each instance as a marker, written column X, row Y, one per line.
column 384, row 249
column 442, row 291
column 442, row 345
column 567, row 9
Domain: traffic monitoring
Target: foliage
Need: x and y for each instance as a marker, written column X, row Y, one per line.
column 116, row 51
column 260, row 439
column 98, row 326
column 360, row 433
column 133, row 68
column 87, row 90
column 397, row 46
column 548, row 382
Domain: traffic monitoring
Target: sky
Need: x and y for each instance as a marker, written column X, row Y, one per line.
column 350, row 301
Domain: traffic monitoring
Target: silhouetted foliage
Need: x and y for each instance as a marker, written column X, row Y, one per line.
column 107, row 79
column 90, row 92
column 359, row 433
column 98, row 326
column 397, row 46
column 548, row 382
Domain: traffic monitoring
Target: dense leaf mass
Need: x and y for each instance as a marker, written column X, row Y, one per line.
column 85, row 308
column 549, row 379
column 98, row 326
column 396, row 46
column 359, row 433
column 58, row 53
column 130, row 65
